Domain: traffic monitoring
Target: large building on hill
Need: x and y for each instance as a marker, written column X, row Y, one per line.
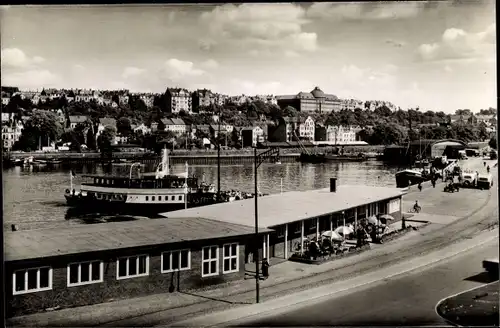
column 314, row 101
column 178, row 99
column 202, row 99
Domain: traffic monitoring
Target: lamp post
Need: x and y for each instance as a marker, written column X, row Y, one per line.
column 218, row 155
column 258, row 159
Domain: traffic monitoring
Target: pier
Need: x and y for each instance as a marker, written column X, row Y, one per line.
column 148, row 158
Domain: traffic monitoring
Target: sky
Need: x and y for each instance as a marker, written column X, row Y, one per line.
column 436, row 55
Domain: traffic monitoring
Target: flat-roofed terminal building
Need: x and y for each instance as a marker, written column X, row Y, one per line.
column 90, row 264
column 294, row 216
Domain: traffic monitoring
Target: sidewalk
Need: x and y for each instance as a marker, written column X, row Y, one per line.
column 169, row 306
column 238, row 315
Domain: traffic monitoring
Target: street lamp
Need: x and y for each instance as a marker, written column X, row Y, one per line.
column 258, row 159
column 218, row 155
column 131, row 167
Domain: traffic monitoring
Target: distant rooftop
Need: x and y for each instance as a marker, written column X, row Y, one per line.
column 290, row 207
column 32, row 244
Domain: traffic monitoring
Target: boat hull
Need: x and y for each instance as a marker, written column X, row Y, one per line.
column 404, row 180
column 312, row 158
column 86, row 204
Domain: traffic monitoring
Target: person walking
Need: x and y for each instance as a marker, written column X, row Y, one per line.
column 420, row 186
column 265, row 268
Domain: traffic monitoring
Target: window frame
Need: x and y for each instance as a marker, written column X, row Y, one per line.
column 230, row 257
column 137, row 259
column 26, row 290
column 79, row 283
column 170, row 259
column 203, row 260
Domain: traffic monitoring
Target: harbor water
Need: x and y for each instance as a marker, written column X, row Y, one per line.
column 34, row 197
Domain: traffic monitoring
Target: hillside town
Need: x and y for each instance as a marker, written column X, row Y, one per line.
column 202, row 118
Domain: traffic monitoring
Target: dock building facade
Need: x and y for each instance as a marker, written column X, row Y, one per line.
column 58, row 268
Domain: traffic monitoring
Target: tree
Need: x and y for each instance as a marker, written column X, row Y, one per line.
column 75, row 138
column 387, row 134
column 105, row 140
column 123, row 126
column 91, row 141
column 289, row 111
column 482, row 133
column 493, row 143
column 234, row 140
column 39, row 129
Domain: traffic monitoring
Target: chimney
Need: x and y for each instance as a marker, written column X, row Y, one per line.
column 333, row 184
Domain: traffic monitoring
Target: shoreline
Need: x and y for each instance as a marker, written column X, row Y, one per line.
column 176, row 157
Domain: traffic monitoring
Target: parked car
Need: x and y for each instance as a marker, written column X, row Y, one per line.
column 485, row 181
column 493, row 154
column 491, row 266
column 469, row 179
column 472, row 152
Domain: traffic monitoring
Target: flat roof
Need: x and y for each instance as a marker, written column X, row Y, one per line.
column 290, row 207
column 33, row 244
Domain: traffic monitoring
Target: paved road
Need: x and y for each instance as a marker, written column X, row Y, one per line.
column 405, row 300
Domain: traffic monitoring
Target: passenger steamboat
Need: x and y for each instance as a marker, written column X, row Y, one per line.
column 154, row 192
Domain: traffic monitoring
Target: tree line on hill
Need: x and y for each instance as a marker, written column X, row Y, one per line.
column 378, row 127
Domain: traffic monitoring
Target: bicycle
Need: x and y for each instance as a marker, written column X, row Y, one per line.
column 415, row 210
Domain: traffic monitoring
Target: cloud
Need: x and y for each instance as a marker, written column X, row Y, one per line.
column 456, row 44
column 175, row 68
column 16, row 58
column 21, row 70
column 397, row 44
column 257, row 27
column 31, row 79
column 366, row 11
column 254, row 88
column 132, row 72
column 366, row 83
column 210, row 64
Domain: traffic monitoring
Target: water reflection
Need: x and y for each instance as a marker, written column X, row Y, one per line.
column 33, row 197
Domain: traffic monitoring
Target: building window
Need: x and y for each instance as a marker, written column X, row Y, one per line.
column 153, row 198
column 32, row 280
column 297, row 227
column 133, row 266
column 180, row 197
column 280, row 232
column 173, row 197
column 313, row 224
column 210, row 261
column 230, row 258
column 176, row 261
column 85, row 273
column 147, row 197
